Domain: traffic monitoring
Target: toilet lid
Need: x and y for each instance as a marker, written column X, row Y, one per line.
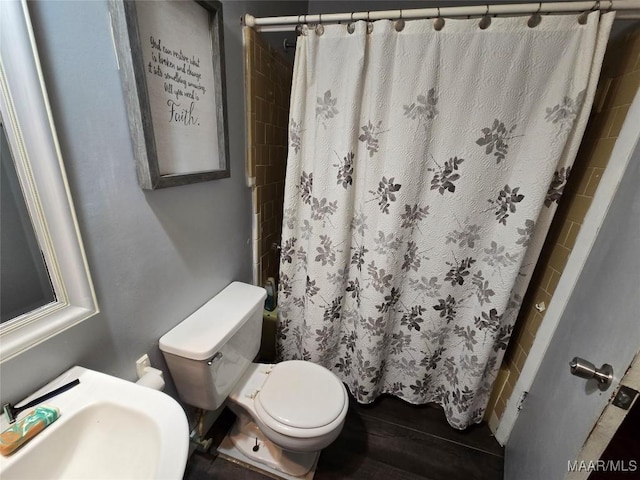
column 302, row 395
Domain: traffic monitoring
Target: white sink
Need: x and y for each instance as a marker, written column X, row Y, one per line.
column 108, row 428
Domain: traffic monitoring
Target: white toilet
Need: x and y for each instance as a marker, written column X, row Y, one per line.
column 286, row 412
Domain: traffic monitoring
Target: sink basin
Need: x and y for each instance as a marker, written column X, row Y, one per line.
column 108, row 428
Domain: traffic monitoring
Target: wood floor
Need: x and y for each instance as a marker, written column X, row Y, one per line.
column 389, row 440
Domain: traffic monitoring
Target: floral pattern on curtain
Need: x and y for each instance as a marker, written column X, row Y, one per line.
column 423, row 172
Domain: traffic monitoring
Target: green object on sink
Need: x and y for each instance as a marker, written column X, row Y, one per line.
column 24, row 430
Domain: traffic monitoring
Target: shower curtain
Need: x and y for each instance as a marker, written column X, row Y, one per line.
column 424, row 168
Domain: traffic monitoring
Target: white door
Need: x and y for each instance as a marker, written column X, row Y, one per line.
column 601, row 323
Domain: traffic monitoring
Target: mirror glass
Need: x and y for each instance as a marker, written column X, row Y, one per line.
column 24, row 280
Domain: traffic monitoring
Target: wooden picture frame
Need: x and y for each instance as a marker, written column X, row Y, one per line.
column 171, row 61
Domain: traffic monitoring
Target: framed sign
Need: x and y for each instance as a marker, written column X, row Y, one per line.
column 171, row 60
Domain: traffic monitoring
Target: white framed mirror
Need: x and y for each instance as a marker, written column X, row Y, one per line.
column 32, row 145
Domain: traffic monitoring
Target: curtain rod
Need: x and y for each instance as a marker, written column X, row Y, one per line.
column 628, row 9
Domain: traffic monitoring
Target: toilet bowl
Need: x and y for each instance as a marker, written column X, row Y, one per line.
column 298, row 405
column 286, row 412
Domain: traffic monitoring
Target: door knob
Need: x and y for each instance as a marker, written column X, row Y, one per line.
column 584, row 369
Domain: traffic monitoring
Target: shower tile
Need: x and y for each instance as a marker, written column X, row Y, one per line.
column 553, row 281
column 618, row 120
column 559, row 256
column 562, row 236
column 519, row 358
column 601, row 152
column 546, row 274
column 601, row 123
column 525, row 342
column 534, row 325
column 627, row 88
column 572, row 235
column 500, row 406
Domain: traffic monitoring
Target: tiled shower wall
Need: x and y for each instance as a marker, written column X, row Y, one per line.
column 268, row 77
column 619, row 81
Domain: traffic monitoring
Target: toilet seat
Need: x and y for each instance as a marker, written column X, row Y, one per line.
column 301, row 399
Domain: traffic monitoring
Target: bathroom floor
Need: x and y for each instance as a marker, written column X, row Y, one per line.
column 389, row 440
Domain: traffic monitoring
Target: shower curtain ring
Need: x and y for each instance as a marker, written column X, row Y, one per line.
column 610, row 7
column 582, row 19
column 399, row 24
column 485, row 21
column 300, row 27
column 351, row 26
column 536, row 18
column 438, row 23
column 319, row 27
column 369, row 24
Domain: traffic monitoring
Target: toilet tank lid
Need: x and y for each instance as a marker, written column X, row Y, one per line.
column 204, row 332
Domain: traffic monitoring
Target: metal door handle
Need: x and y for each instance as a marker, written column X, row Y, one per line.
column 584, row 369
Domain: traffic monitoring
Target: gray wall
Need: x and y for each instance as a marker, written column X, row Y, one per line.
column 155, row 257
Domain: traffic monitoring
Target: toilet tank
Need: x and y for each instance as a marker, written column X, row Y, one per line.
column 208, row 352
